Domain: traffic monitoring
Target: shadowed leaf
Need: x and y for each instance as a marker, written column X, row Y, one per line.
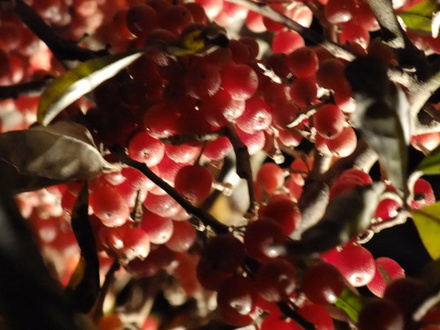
column 64, row 151
column 83, row 287
column 77, row 82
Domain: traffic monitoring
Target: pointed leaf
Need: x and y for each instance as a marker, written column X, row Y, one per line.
column 349, row 302
column 63, row 151
column 431, row 163
column 83, row 287
column 419, row 18
column 427, row 221
column 77, row 82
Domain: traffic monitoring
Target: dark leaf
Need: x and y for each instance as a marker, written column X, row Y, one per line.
column 29, row 296
column 63, row 151
column 83, row 287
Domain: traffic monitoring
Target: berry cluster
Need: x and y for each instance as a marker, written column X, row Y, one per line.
column 201, row 94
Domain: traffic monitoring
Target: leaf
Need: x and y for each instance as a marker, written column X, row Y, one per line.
column 26, row 285
column 83, row 287
column 340, row 223
column 427, row 221
column 431, row 163
column 350, row 303
column 419, row 18
column 64, row 151
column 77, row 82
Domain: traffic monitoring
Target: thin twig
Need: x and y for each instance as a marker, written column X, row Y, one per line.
column 31, row 88
column 61, row 48
column 178, row 140
column 206, row 218
column 109, row 279
column 289, row 312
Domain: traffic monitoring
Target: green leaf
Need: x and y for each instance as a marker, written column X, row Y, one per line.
column 431, row 163
column 427, row 221
column 77, row 82
column 419, row 17
column 350, row 303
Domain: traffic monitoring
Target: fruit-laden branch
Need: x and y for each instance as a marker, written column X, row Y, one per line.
column 31, row 88
column 308, row 34
column 242, row 156
column 62, row 49
column 206, row 218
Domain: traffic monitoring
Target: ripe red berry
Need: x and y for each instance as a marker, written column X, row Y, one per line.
column 240, row 80
column 329, row 121
column 381, row 314
column 302, row 62
column 355, row 262
column 257, row 116
column 193, row 182
column 144, row 148
column 322, row 283
column 108, row 206
column 386, row 270
column 202, row 80
column 276, row 280
column 287, row 41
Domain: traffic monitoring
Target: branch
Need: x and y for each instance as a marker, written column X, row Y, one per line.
column 178, row 140
column 395, row 37
column 31, row 88
column 314, row 198
column 316, row 38
column 244, row 169
column 206, row 218
column 62, row 49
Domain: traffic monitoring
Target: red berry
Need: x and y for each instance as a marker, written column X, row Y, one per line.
column 322, row 283
column 240, row 80
column 108, row 206
column 329, row 121
column 302, row 62
column 193, row 182
column 388, row 267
